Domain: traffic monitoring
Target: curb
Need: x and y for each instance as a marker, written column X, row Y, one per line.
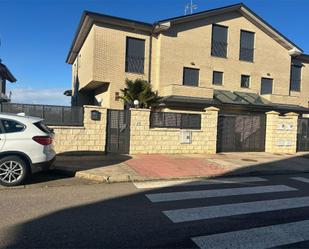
column 129, row 178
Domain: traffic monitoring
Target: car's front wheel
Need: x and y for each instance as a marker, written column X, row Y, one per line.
column 13, row 171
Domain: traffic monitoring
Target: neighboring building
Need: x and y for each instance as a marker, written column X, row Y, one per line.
column 5, row 75
column 227, row 57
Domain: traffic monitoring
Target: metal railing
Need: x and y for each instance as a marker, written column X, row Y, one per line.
column 246, row 54
column 135, row 64
column 175, row 120
column 219, row 49
column 52, row 114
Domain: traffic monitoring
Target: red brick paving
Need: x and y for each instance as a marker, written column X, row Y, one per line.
column 166, row 166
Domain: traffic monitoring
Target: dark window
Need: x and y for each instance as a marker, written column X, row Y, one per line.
column 217, row 78
column 43, row 127
column 190, row 76
column 11, row 126
column 266, row 86
column 219, row 41
column 135, row 55
column 246, row 46
column 245, row 81
column 295, row 78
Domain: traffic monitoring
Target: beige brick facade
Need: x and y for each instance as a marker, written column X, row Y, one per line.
column 144, row 140
column 90, row 137
column 281, row 132
column 101, row 61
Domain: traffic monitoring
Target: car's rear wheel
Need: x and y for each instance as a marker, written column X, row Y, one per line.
column 13, row 171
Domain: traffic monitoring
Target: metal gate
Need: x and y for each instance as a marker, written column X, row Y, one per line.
column 241, row 133
column 303, row 134
column 118, row 131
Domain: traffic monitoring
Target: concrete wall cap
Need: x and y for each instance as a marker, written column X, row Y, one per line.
column 94, row 107
column 140, row 109
column 211, row 108
column 272, row 113
column 291, row 114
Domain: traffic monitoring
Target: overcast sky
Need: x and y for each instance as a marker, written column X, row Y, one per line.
column 36, row 35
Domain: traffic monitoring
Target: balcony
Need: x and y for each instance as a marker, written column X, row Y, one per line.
column 188, row 91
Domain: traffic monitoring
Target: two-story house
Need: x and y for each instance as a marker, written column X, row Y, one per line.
column 227, row 57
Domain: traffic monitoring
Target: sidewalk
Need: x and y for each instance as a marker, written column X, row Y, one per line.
column 125, row 168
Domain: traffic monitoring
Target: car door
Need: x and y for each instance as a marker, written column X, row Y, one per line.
column 2, row 136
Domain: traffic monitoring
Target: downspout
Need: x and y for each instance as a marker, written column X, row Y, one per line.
column 150, row 54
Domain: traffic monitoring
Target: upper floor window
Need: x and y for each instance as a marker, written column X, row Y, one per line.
column 266, row 86
column 295, row 78
column 246, row 46
column 217, row 78
column 190, row 76
column 219, row 41
column 135, row 55
column 245, row 81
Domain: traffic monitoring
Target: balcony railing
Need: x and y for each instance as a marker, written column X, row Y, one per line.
column 246, row 54
column 135, row 64
column 219, row 49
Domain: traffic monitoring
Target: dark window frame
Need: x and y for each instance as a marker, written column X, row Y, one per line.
column 213, row 77
column 183, row 76
column 11, row 120
column 241, row 77
column 292, row 86
column 213, row 40
column 126, row 56
column 241, row 47
column 272, row 85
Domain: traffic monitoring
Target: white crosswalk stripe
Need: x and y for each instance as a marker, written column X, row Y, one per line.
column 301, row 179
column 257, row 238
column 253, row 238
column 187, row 195
column 163, row 184
column 202, row 213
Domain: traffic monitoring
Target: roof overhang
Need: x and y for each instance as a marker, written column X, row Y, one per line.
column 246, row 104
column 89, row 18
column 6, row 74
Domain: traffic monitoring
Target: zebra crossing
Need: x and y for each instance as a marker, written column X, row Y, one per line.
column 274, row 235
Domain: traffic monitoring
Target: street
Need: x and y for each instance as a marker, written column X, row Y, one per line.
column 236, row 212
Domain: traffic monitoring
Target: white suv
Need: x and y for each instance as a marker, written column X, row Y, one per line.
column 25, row 148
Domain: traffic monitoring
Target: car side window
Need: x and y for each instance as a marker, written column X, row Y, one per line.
column 11, row 126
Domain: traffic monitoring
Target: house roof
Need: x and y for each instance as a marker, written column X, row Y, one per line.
column 245, row 11
column 6, row 74
column 89, row 18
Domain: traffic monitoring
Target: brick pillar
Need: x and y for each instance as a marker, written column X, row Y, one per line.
column 281, row 132
column 140, row 139
column 210, row 127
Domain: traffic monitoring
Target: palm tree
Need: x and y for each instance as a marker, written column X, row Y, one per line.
column 139, row 90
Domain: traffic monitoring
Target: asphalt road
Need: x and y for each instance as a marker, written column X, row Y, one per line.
column 54, row 211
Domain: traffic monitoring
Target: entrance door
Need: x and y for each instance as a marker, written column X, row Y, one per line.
column 303, row 134
column 241, row 133
column 118, row 131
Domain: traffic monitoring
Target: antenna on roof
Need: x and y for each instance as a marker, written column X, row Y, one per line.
column 190, row 7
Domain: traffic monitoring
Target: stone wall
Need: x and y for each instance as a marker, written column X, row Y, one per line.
column 90, row 137
column 145, row 140
column 281, row 132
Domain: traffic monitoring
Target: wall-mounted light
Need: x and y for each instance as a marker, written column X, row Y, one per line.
column 192, row 63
